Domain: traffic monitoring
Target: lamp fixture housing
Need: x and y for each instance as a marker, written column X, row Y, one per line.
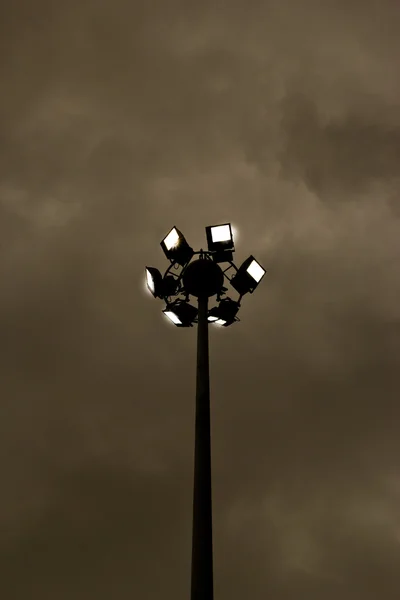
column 248, row 276
column 176, row 248
column 220, row 240
column 181, row 313
column 154, row 281
column 225, row 313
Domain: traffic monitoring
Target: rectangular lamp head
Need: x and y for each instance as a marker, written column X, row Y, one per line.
column 150, row 281
column 248, row 276
column 172, row 317
column 181, row 313
column 172, row 239
column 221, row 233
column 154, row 281
column 176, row 248
column 219, row 237
column 256, row 271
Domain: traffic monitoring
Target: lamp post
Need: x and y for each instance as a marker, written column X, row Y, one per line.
column 202, row 278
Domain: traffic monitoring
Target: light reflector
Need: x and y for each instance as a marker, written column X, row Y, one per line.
column 221, row 233
column 248, row 276
column 150, row 281
column 154, row 281
column 256, row 271
column 181, row 313
column 172, row 317
column 172, row 239
column 176, row 248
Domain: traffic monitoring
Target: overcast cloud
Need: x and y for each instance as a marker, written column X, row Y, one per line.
column 119, row 120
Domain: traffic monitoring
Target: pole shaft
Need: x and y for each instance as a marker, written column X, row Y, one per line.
column 202, row 551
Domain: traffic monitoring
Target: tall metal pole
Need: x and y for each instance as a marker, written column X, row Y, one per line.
column 202, row 551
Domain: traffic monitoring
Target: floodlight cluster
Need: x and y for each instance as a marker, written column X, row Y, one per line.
column 220, row 249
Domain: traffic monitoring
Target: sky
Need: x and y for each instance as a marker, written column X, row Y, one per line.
column 119, row 120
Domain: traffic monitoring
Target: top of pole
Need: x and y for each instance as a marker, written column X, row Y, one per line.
column 203, row 277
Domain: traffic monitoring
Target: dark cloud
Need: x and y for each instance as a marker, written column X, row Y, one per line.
column 117, row 121
column 348, row 154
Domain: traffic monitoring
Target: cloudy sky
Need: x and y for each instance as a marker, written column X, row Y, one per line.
column 119, row 119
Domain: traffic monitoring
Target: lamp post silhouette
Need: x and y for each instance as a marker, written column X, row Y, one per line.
column 202, row 278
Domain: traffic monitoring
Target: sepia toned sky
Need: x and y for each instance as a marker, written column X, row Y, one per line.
column 119, row 120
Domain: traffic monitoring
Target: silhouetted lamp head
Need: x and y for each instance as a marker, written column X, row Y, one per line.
column 181, row 313
column 154, row 281
column 225, row 313
column 248, row 276
column 160, row 287
column 220, row 242
column 176, row 248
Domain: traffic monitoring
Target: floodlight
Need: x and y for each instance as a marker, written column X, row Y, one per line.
column 221, row 233
column 154, row 281
column 220, row 241
column 256, row 271
column 181, row 313
column 172, row 239
column 172, row 317
column 216, row 321
column 220, row 322
column 248, row 276
column 224, row 313
column 176, row 248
